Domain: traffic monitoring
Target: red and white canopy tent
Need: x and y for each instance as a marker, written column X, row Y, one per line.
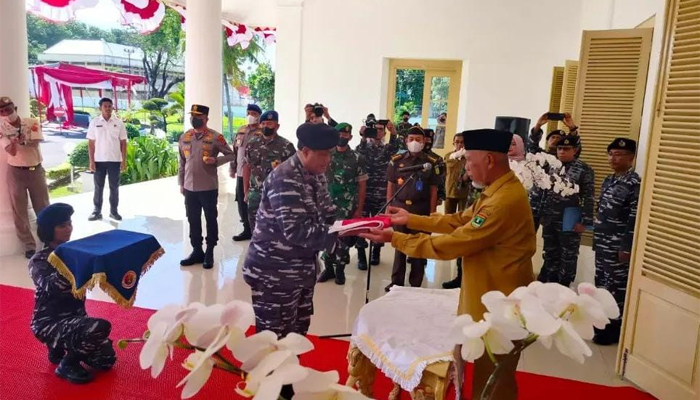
column 55, row 85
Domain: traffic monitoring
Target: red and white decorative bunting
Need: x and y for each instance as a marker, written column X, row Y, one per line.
column 143, row 15
column 59, row 11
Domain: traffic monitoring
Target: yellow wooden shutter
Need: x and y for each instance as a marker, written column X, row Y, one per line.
column 568, row 90
column 661, row 340
column 610, row 93
column 555, row 95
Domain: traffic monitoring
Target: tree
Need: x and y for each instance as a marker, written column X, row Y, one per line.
column 409, row 89
column 233, row 59
column 262, row 86
column 162, row 49
column 178, row 99
column 158, row 109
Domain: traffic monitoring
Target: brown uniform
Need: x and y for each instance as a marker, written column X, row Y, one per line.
column 244, row 135
column 456, row 190
column 25, row 175
column 496, row 239
column 415, row 198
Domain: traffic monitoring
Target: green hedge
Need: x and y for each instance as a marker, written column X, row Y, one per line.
column 148, row 158
column 80, row 158
column 59, row 172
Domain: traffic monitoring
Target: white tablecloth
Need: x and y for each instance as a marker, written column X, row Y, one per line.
column 406, row 330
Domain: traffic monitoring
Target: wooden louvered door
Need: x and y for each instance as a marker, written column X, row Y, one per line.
column 568, row 90
column 555, row 95
column 660, row 349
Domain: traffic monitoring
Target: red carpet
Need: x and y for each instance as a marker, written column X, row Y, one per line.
column 25, row 372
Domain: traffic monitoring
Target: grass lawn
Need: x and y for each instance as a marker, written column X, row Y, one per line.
column 63, row 191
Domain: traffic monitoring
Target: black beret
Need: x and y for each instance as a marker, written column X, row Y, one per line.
column 50, row 217
column 317, row 136
column 270, row 116
column 416, row 130
column 429, row 133
column 254, row 107
column 199, row 109
column 555, row 132
column 623, row 144
column 487, row 139
column 569, row 140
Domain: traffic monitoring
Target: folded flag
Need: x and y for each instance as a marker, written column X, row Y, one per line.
column 351, row 227
column 115, row 260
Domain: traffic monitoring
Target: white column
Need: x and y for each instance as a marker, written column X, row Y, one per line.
column 14, row 83
column 288, row 67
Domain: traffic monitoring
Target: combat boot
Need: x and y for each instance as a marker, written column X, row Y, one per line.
column 361, row 260
column 375, row 254
column 196, row 257
column 456, row 282
column 340, row 274
column 208, row 262
column 328, row 272
column 71, row 370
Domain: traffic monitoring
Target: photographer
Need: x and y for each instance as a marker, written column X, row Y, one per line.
column 377, row 155
column 533, row 145
column 316, row 112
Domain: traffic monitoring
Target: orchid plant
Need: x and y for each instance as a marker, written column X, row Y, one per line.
column 266, row 362
column 543, row 171
column 548, row 313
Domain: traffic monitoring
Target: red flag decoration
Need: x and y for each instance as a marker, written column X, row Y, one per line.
column 59, row 11
column 143, row 15
column 243, row 35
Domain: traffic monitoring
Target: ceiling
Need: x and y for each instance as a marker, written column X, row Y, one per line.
column 258, row 13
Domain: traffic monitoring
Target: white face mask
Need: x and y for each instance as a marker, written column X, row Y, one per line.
column 415, row 147
column 252, row 120
column 478, row 185
column 10, row 118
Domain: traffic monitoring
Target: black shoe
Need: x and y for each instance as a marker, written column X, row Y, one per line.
column 73, row 372
column 327, row 274
column 245, row 235
column 361, row 260
column 340, row 274
column 95, row 216
column 389, row 286
column 209, row 258
column 196, row 257
column 56, row 355
column 29, row 254
column 375, row 255
column 609, row 335
column 115, row 216
column 456, row 282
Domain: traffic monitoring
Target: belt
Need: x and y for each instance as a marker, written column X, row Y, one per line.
column 28, row 168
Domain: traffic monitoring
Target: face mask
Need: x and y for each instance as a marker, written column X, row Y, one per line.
column 342, row 142
column 405, row 119
column 10, row 118
column 252, row 120
column 197, row 122
column 478, row 185
column 268, row 131
column 414, row 147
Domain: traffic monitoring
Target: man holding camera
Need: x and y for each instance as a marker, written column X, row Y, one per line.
column 244, row 135
column 377, row 155
column 316, row 112
column 533, row 145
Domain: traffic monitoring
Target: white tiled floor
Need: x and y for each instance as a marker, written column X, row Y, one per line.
column 157, row 208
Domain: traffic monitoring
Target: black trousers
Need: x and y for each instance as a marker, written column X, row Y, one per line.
column 195, row 202
column 398, row 272
column 103, row 170
column 242, row 205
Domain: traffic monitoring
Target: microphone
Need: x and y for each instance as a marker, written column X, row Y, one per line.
column 421, row 167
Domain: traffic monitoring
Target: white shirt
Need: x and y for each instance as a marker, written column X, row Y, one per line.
column 107, row 136
column 29, row 131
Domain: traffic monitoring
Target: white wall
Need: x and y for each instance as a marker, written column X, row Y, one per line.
column 508, row 48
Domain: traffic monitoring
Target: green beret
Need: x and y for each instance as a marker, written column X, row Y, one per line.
column 343, row 127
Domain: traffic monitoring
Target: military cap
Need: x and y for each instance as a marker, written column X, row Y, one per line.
column 416, row 130
column 270, row 116
column 623, row 144
column 569, row 140
column 429, row 133
column 488, row 140
column 5, row 101
column 343, row 127
column 199, row 109
column 555, row 132
column 317, row 136
column 50, row 217
column 254, row 107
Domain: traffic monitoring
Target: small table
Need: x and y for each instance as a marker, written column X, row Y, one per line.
column 417, row 357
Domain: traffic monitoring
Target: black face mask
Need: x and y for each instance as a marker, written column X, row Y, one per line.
column 268, row 131
column 342, row 142
column 405, row 119
column 427, row 147
column 197, row 122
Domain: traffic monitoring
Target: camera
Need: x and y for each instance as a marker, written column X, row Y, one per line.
column 318, row 109
column 370, row 127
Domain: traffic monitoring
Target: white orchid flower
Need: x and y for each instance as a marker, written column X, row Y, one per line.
column 468, row 334
column 537, row 319
column 251, row 350
column 602, row 296
column 324, row 386
column 204, row 325
column 265, row 381
column 165, row 327
column 501, row 334
column 200, row 366
column 568, row 342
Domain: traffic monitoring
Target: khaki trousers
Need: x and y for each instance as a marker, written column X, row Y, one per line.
column 20, row 181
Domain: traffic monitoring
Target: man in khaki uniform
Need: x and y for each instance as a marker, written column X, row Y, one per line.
column 20, row 137
column 495, row 238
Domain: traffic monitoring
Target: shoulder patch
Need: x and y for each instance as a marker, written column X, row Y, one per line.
column 478, row 220
column 221, row 139
column 396, row 157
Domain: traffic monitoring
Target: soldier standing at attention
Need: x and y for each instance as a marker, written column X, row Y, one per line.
column 199, row 182
column 561, row 248
column 377, row 155
column 263, row 154
column 418, row 197
column 438, row 161
column 20, row 137
column 614, row 230
column 347, row 185
column 402, row 129
column 295, row 214
column 240, row 142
